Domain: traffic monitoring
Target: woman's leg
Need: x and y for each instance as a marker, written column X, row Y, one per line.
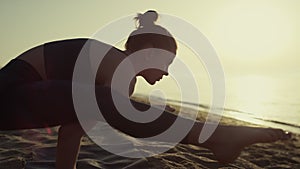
column 228, row 141
column 51, row 103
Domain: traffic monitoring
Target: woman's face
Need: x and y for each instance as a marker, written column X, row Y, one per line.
column 162, row 61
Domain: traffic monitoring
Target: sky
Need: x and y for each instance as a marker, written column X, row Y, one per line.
column 253, row 39
column 250, row 36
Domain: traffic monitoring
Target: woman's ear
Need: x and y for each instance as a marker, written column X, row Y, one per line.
column 149, row 52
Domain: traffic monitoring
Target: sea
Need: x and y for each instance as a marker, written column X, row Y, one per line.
column 263, row 100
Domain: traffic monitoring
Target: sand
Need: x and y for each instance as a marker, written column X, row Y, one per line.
column 35, row 148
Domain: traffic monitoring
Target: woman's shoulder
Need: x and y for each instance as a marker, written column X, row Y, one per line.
column 93, row 45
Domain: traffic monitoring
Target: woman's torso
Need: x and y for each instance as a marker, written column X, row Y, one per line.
column 56, row 60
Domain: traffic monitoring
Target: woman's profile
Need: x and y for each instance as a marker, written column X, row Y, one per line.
column 36, row 92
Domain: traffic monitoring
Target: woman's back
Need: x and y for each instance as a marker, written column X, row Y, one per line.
column 56, row 60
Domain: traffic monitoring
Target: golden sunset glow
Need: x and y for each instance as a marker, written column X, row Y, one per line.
column 253, row 38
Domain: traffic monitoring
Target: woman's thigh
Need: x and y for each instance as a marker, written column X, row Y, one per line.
column 37, row 105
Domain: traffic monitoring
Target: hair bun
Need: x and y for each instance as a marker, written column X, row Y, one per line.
column 146, row 19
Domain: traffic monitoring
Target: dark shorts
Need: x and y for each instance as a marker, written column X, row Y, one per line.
column 38, row 105
column 28, row 102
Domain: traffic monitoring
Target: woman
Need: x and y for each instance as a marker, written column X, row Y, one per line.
column 36, row 92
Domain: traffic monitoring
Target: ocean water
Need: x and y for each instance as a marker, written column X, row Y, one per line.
column 264, row 100
column 270, row 101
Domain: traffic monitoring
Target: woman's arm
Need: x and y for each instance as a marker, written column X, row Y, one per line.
column 138, row 130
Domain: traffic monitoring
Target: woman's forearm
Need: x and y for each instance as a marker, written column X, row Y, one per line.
column 138, row 130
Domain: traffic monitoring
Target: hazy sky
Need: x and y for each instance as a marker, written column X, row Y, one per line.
column 250, row 36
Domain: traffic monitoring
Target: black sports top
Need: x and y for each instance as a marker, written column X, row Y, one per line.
column 56, row 60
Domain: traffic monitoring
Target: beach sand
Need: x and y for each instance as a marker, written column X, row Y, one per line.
column 35, row 148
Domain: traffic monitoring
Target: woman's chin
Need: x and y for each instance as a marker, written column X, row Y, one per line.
column 152, row 82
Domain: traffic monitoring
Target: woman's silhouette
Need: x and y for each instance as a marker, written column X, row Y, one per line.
column 36, row 92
